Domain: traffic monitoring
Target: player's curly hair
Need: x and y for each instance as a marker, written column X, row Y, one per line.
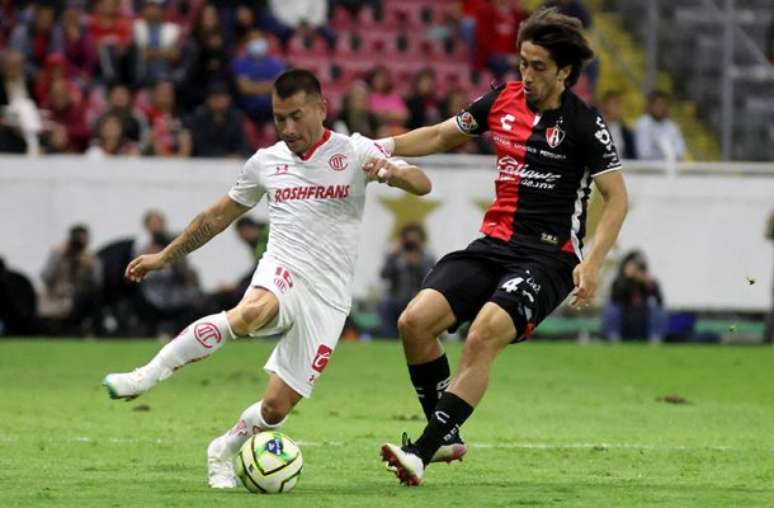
column 562, row 36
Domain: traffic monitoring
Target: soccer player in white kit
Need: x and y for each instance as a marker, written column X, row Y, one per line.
column 315, row 183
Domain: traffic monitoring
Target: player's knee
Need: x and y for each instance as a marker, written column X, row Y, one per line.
column 410, row 325
column 484, row 341
column 253, row 313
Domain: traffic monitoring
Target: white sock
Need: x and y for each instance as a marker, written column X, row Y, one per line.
column 198, row 341
column 250, row 422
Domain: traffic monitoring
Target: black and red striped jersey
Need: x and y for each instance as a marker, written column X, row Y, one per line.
column 545, row 165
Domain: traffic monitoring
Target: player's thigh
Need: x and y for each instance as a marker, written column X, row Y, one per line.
column 303, row 352
column 530, row 291
column 466, row 281
column 257, row 309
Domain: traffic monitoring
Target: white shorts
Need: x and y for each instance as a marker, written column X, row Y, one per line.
column 309, row 329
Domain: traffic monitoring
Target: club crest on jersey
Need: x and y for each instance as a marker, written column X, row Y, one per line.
column 338, row 162
column 554, row 136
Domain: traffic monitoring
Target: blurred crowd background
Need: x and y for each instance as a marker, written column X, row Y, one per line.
column 175, row 78
column 193, row 78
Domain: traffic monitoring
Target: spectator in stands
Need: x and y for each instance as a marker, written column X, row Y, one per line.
column 636, row 307
column 133, row 121
column 72, row 277
column 497, row 27
column 423, row 105
column 623, row 137
column 304, row 17
column 170, row 297
column 169, row 137
column 255, row 72
column 66, row 127
column 111, row 34
column 54, row 68
column 111, row 140
column 20, row 121
column 356, row 114
column 574, row 8
column 18, row 303
column 217, row 127
column 156, row 43
column 244, row 23
column 78, row 47
column 404, row 270
column 465, row 12
column 206, row 22
column 657, row 136
column 385, row 102
column 36, row 39
column 768, row 330
column 206, row 60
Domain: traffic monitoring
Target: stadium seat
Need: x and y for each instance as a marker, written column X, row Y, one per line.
column 306, row 46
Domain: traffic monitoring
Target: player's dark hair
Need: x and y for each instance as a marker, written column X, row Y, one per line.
column 562, row 36
column 296, row 80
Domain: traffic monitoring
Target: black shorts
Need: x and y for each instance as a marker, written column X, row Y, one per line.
column 527, row 282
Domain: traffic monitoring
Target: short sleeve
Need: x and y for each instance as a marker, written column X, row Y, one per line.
column 367, row 148
column 248, row 190
column 474, row 120
column 599, row 152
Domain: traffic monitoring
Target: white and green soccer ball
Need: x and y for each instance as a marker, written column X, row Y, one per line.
column 269, row 463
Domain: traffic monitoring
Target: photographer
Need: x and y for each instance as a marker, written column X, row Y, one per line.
column 636, row 308
column 168, row 298
column 72, row 276
column 404, row 269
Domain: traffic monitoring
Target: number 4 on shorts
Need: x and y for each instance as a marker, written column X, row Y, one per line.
column 512, row 285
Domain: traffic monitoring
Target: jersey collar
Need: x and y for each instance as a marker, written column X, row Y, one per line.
column 308, row 154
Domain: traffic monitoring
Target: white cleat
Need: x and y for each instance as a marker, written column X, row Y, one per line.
column 129, row 385
column 449, row 453
column 407, row 466
column 220, row 468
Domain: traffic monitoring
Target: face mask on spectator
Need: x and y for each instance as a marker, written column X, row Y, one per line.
column 257, row 48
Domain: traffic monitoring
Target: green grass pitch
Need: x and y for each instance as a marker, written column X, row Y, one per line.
column 562, row 425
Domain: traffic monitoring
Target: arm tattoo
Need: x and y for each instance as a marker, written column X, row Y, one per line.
column 198, row 232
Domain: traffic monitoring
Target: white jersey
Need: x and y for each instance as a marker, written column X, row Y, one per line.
column 315, row 209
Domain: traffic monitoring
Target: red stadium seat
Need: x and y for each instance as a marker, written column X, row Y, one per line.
column 312, row 45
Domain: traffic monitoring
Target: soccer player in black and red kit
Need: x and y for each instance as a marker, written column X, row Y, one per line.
column 550, row 145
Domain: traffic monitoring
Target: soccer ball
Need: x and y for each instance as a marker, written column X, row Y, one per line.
column 269, row 463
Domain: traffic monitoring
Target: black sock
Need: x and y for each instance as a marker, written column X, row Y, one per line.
column 449, row 415
column 430, row 381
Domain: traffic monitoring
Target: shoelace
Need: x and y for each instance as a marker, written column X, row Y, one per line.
column 406, row 442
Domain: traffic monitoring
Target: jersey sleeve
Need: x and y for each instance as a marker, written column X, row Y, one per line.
column 248, row 189
column 474, row 119
column 599, row 153
column 367, row 148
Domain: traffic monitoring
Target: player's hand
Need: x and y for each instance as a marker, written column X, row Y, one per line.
column 380, row 170
column 585, row 276
column 141, row 266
